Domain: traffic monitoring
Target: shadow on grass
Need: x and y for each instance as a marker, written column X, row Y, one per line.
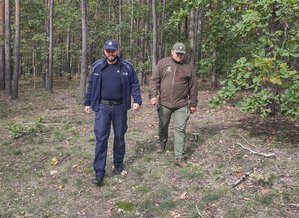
column 277, row 127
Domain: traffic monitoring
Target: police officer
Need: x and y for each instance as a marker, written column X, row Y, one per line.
column 112, row 82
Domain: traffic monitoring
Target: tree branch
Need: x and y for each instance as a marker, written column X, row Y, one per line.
column 254, row 152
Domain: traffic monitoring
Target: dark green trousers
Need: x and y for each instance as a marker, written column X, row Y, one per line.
column 180, row 118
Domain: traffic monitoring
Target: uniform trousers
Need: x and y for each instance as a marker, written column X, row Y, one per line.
column 107, row 114
column 180, row 117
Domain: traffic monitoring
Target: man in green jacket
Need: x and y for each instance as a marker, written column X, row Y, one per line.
column 173, row 89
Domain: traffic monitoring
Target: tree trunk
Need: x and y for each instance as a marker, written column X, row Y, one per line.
column 192, row 35
column 2, row 50
column 154, row 48
column 68, row 49
column 162, row 45
column 49, row 77
column 132, row 26
column 214, row 82
column 8, row 73
column 84, row 49
column 120, row 31
column 15, row 81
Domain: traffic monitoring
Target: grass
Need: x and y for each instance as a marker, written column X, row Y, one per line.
column 153, row 186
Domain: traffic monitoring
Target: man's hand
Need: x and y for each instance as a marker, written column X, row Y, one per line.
column 192, row 109
column 136, row 107
column 154, row 101
column 87, row 109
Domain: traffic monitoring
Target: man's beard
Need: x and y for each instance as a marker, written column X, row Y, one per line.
column 111, row 59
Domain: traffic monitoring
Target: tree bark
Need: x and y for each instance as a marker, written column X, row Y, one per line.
column 120, row 23
column 214, row 82
column 15, row 81
column 162, row 45
column 132, row 26
column 8, row 73
column 84, row 49
column 192, row 35
column 49, row 77
column 68, row 50
column 2, row 50
column 154, row 48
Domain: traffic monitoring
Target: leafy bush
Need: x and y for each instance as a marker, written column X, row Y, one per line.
column 17, row 130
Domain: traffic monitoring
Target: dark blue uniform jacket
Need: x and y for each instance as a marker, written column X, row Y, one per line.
column 129, row 81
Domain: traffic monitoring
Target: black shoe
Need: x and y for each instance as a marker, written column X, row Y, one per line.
column 118, row 170
column 98, row 180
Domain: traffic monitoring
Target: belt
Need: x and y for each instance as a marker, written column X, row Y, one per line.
column 109, row 102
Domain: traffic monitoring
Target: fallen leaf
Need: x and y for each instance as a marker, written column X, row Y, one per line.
column 54, row 161
column 60, row 186
column 183, row 196
column 53, row 172
column 265, row 190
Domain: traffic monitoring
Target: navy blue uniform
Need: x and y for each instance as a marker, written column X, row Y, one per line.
column 109, row 93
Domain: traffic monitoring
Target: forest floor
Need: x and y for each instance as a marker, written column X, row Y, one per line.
column 47, row 146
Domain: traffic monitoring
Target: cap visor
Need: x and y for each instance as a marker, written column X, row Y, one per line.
column 110, row 47
column 179, row 51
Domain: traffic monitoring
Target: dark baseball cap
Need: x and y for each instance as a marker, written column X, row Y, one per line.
column 111, row 44
column 179, row 47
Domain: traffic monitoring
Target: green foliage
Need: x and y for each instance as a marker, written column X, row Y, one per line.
column 126, row 206
column 212, row 196
column 17, row 130
column 265, row 70
column 290, row 101
column 263, row 178
column 270, row 80
column 267, row 199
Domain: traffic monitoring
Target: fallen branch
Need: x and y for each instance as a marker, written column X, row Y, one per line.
column 199, row 214
column 242, row 178
column 248, row 142
column 254, row 152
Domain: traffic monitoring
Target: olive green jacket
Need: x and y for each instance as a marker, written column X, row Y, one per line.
column 174, row 83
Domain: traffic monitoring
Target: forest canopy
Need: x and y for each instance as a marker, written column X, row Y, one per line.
column 248, row 48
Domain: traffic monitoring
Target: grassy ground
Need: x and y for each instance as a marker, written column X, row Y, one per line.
column 47, row 146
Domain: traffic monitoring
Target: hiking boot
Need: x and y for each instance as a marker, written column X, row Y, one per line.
column 161, row 148
column 118, row 170
column 98, row 180
column 180, row 162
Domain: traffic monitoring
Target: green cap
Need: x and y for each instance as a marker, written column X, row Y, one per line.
column 179, row 47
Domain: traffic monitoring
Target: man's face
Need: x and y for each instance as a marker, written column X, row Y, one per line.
column 178, row 57
column 110, row 55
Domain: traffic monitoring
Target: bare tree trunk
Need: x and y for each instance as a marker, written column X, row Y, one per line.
column 68, row 48
column 132, row 26
column 2, row 50
column 49, row 77
column 200, row 23
column 142, row 41
column 162, row 45
column 154, row 49
column 34, row 68
column 214, row 82
column 8, row 73
column 84, row 49
column 15, row 81
column 192, row 35
column 120, row 31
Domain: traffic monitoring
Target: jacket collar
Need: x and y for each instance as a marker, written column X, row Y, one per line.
column 105, row 63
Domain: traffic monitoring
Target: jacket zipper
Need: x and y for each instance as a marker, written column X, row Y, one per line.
column 172, row 84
